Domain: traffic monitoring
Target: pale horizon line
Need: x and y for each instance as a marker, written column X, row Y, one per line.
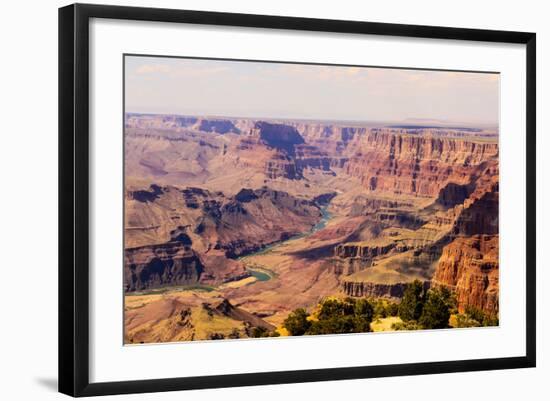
column 411, row 121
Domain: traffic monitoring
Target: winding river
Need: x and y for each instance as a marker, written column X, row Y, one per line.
column 263, row 274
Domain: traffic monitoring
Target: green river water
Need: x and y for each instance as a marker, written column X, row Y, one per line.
column 263, row 274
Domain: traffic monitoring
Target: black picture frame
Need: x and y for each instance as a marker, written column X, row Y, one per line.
column 74, row 198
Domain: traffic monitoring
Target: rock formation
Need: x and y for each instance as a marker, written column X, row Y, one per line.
column 359, row 250
column 469, row 266
column 204, row 229
column 155, row 266
column 279, row 136
column 376, row 290
column 416, row 165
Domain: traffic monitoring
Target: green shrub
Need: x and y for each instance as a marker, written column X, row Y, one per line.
column 380, row 310
column 235, row 333
column 408, row 325
column 296, row 323
column 259, row 332
column 463, row 320
column 480, row 316
column 363, row 309
column 333, row 307
column 343, row 316
column 384, row 308
column 412, row 303
column 334, row 317
column 490, row 320
column 436, row 310
column 474, row 313
column 392, row 309
column 334, row 325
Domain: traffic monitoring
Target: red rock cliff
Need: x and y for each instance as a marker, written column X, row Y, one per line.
column 415, row 165
column 469, row 266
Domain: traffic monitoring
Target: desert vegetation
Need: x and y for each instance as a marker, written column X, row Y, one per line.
column 420, row 308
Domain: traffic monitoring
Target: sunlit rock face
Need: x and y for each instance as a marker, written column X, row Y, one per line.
column 414, row 165
column 469, row 266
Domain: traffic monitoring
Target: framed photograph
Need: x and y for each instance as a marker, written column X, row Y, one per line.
column 250, row 199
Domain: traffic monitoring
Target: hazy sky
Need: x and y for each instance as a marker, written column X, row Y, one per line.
column 255, row 89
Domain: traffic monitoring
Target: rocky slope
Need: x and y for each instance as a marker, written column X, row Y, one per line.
column 469, row 266
column 172, row 263
column 180, row 317
column 204, row 229
column 416, row 165
column 376, row 290
column 458, row 242
column 418, row 162
column 175, row 263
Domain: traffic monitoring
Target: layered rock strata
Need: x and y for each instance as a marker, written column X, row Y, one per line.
column 469, row 266
column 204, row 231
column 156, row 266
column 416, row 165
column 376, row 290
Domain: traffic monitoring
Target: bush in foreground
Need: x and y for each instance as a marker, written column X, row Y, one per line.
column 408, row 325
column 333, row 317
column 412, row 303
column 384, row 308
column 436, row 309
column 421, row 309
column 297, row 322
column 475, row 317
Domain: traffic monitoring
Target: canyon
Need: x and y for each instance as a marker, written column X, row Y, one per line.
column 232, row 223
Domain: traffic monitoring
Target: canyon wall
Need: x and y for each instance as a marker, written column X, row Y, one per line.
column 458, row 238
column 377, row 290
column 415, row 165
column 469, row 266
column 156, row 266
column 199, row 233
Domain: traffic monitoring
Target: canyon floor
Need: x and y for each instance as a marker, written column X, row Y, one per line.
column 231, row 224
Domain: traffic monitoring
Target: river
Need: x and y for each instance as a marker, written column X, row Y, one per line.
column 264, row 274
